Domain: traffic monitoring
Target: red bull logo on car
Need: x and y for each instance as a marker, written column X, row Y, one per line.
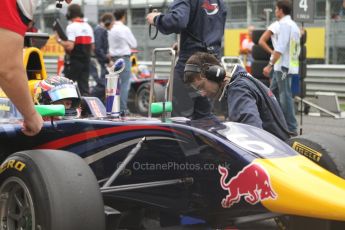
column 252, row 182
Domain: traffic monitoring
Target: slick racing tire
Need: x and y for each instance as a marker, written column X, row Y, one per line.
column 131, row 100
column 49, row 190
column 258, row 67
column 260, row 54
column 257, row 35
column 143, row 97
column 326, row 150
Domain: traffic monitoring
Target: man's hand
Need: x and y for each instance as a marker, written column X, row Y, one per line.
column 57, row 38
column 32, row 125
column 110, row 64
column 267, row 70
column 150, row 17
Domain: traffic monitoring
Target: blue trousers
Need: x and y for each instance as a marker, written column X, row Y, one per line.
column 125, row 82
column 281, row 88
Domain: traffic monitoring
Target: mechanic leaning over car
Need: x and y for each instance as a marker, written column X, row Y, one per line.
column 249, row 101
column 14, row 19
column 201, row 25
column 78, row 48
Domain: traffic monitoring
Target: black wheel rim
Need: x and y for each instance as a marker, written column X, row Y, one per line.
column 16, row 206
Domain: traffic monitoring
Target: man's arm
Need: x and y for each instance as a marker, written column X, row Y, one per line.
column 13, row 80
column 282, row 45
column 174, row 21
column 132, row 42
column 274, row 58
column 264, row 39
column 242, row 106
column 67, row 45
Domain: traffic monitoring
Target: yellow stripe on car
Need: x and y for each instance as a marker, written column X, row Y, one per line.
column 304, row 188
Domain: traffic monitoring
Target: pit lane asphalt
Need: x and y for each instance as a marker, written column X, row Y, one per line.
column 317, row 124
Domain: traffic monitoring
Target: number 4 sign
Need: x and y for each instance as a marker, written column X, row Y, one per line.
column 303, row 10
column 303, row 4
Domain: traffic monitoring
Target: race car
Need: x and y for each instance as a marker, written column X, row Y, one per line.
column 109, row 173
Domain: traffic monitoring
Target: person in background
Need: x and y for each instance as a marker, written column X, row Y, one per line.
column 248, row 100
column 285, row 60
column 270, row 33
column 246, row 49
column 338, row 10
column 201, row 25
column 14, row 19
column 121, row 41
column 102, row 57
column 78, row 48
column 342, row 9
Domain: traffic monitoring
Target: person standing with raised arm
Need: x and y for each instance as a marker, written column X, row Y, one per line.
column 201, row 24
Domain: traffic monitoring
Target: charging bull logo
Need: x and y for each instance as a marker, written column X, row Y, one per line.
column 210, row 9
column 252, row 182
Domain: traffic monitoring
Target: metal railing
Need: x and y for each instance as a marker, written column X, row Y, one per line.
column 326, row 78
column 51, row 66
column 320, row 78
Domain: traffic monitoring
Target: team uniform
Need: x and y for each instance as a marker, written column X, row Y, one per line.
column 98, row 63
column 201, row 25
column 15, row 15
column 77, row 62
column 248, row 105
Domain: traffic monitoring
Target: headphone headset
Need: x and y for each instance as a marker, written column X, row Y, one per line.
column 212, row 72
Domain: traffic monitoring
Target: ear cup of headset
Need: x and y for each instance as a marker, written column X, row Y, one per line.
column 214, row 73
column 211, row 72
